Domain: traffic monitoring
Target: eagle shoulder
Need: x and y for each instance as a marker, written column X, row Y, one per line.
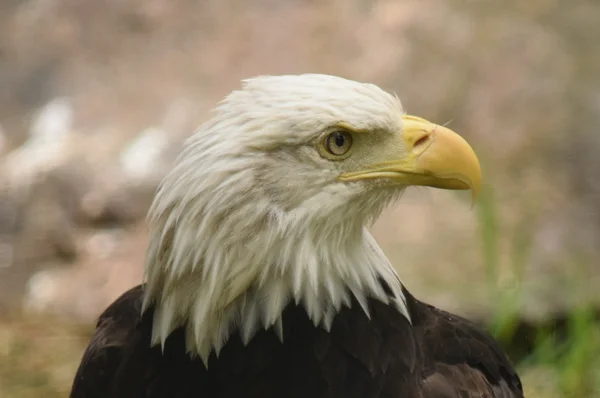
column 108, row 345
column 462, row 359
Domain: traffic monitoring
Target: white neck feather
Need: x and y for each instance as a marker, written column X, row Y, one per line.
column 216, row 288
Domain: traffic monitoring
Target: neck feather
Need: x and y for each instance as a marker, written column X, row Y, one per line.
column 216, row 288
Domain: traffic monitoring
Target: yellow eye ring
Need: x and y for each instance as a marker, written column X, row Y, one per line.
column 338, row 143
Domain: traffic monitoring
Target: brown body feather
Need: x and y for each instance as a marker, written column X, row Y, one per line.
column 439, row 355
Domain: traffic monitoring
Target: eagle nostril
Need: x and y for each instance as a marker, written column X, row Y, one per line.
column 421, row 141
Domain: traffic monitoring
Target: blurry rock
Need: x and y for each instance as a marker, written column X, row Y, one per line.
column 46, row 148
column 113, row 200
column 103, row 244
column 143, row 160
column 47, row 229
column 37, row 230
column 53, row 122
column 121, row 191
column 42, row 288
column 111, row 261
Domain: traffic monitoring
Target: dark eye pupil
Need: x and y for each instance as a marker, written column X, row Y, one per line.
column 338, row 143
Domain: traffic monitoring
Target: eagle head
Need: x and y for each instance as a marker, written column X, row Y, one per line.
column 268, row 202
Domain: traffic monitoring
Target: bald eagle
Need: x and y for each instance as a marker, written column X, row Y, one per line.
column 261, row 277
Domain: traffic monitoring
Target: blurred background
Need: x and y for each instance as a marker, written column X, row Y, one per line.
column 97, row 96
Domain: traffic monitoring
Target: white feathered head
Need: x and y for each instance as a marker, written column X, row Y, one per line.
column 269, row 199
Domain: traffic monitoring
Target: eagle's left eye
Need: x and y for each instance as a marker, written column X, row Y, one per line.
column 338, row 143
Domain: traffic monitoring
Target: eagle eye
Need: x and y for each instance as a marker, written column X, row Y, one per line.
column 338, row 143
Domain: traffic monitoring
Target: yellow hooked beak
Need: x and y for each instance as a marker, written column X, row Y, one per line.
column 433, row 156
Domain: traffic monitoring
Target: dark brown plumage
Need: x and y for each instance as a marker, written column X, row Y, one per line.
column 441, row 355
